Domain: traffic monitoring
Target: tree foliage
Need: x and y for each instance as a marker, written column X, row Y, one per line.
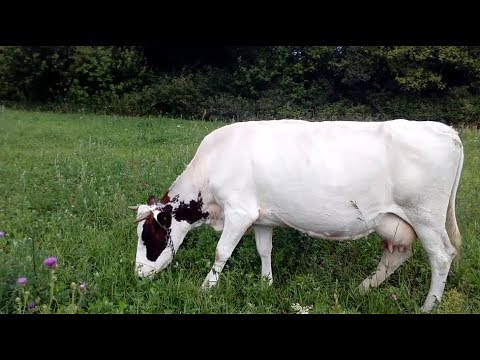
column 248, row 82
column 42, row 74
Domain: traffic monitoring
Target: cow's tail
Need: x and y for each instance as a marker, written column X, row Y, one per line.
column 451, row 224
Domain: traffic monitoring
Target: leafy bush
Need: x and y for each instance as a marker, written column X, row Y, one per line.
column 228, row 107
column 80, row 75
column 315, row 82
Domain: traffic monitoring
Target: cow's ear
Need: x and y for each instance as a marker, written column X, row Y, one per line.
column 164, row 219
column 152, row 200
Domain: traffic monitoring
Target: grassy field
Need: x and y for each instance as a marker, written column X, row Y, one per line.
column 66, row 182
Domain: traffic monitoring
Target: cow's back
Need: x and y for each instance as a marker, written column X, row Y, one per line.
column 328, row 174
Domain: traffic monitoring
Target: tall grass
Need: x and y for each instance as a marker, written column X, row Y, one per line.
column 66, row 182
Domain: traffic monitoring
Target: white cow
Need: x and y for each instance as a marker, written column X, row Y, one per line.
column 333, row 180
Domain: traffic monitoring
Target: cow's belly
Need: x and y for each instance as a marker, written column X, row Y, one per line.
column 333, row 225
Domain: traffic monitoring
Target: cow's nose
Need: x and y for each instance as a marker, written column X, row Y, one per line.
column 144, row 270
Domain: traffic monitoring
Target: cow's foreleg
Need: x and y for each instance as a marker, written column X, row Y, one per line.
column 263, row 239
column 236, row 223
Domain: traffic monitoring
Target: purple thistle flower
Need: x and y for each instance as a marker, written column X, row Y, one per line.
column 2, row 233
column 50, row 262
column 32, row 307
column 22, row 281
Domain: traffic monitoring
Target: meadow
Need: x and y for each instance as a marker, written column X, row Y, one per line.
column 66, row 181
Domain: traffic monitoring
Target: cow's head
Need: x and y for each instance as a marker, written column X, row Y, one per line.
column 161, row 228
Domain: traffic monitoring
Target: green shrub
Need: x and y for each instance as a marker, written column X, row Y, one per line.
column 313, row 82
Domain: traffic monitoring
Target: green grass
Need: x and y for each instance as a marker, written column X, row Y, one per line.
column 66, row 182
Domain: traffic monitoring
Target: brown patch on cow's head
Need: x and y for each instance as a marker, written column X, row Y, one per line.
column 152, row 200
column 165, row 199
column 156, row 233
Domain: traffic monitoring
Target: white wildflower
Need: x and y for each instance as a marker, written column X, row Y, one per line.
column 301, row 309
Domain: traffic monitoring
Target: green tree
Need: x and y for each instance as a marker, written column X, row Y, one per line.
column 33, row 73
column 421, row 69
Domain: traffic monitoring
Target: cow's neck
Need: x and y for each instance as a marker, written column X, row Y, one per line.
column 181, row 191
column 186, row 198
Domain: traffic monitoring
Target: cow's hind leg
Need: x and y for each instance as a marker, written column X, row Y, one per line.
column 236, row 223
column 398, row 237
column 263, row 239
column 440, row 253
column 389, row 262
